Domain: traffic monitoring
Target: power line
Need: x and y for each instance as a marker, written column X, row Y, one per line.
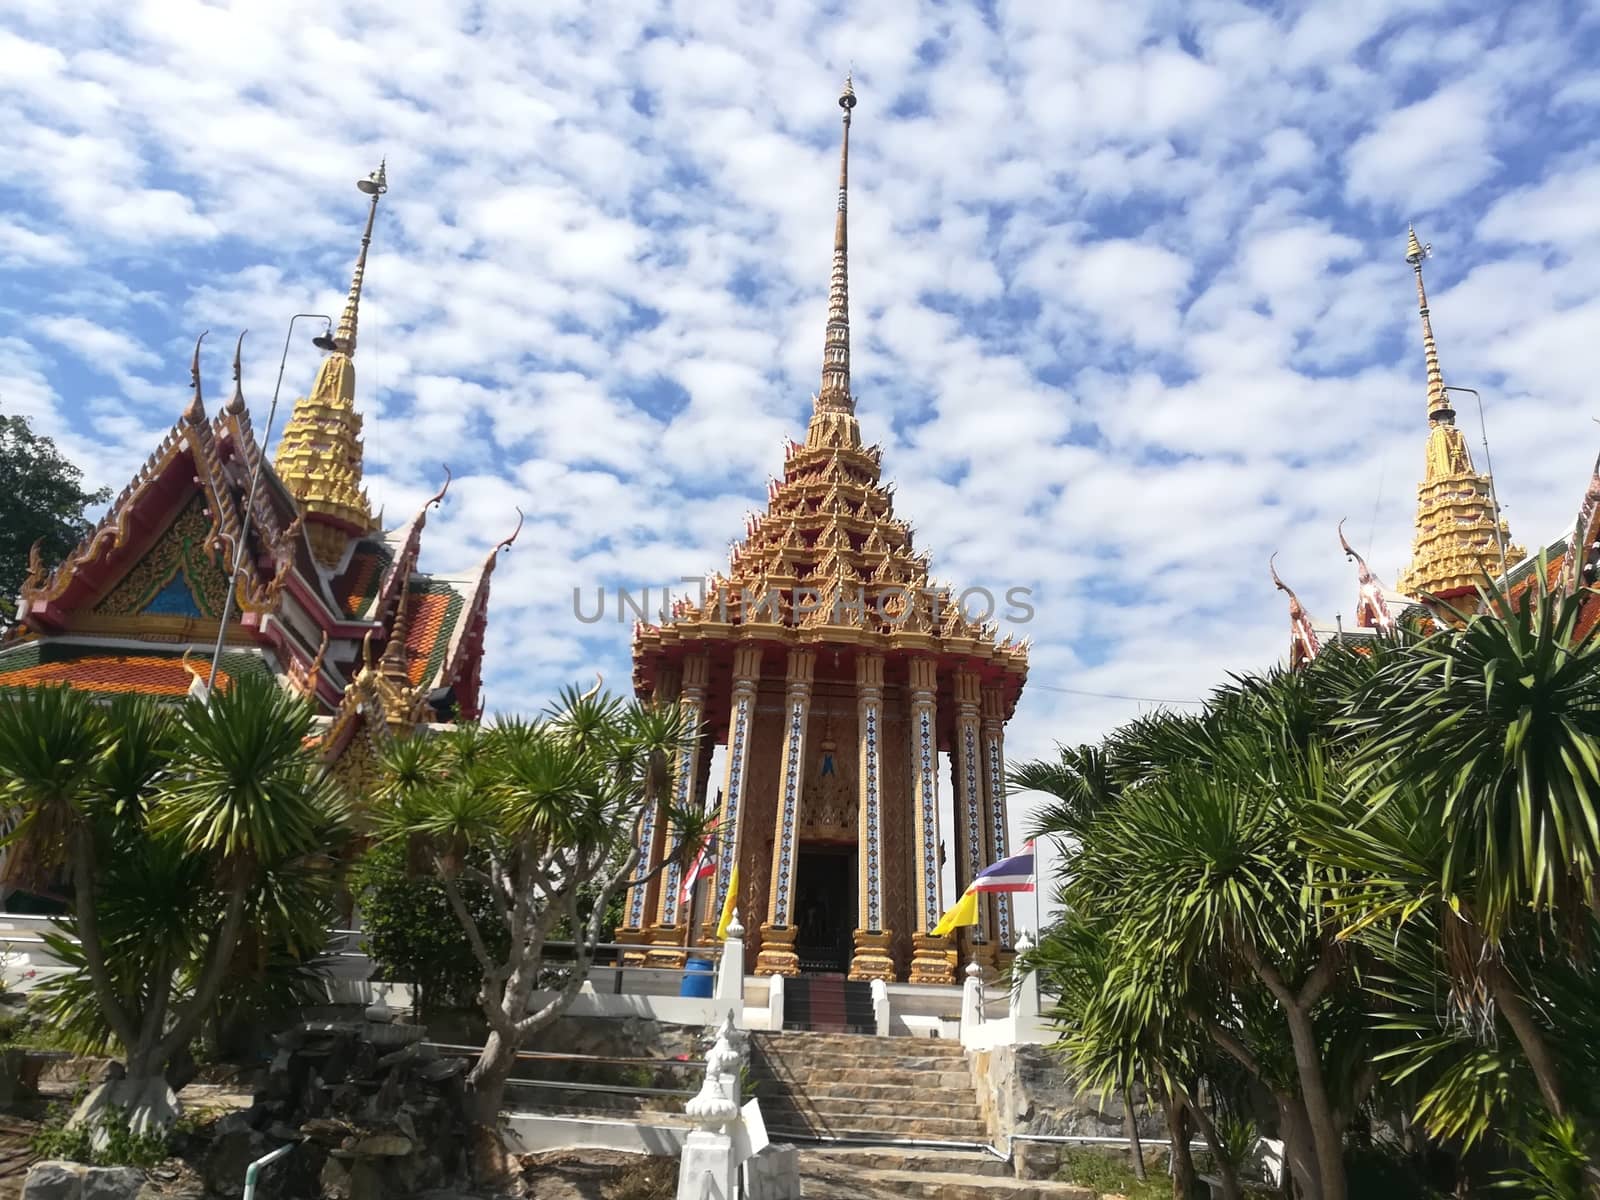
column 1114, row 695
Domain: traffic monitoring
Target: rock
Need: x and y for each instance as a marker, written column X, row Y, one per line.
column 325, row 1130
column 383, row 1145
column 112, row 1183
column 229, row 1157
column 441, row 1069
column 54, row 1181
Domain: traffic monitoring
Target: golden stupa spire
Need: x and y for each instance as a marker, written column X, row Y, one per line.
column 833, row 413
column 319, row 458
column 1438, row 399
column 374, row 185
column 1459, row 531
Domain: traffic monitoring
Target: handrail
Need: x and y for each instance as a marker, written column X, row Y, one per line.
column 619, row 1089
column 553, row 1056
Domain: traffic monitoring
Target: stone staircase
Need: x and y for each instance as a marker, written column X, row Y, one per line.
column 827, row 1087
column 885, row 1173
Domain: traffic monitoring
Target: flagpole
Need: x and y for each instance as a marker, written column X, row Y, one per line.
column 1038, row 929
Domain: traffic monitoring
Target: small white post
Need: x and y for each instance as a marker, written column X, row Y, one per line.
column 1025, row 999
column 880, row 1006
column 775, row 1003
column 728, row 991
column 971, row 1003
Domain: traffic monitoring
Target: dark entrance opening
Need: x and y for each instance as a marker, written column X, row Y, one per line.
column 825, row 912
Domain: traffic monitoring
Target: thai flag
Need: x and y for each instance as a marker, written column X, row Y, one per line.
column 1014, row 874
column 703, row 867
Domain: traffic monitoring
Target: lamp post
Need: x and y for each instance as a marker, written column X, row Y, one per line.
column 323, row 341
column 1488, row 467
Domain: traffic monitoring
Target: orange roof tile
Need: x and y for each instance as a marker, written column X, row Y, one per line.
column 159, row 676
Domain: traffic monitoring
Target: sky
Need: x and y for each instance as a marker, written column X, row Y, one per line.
column 1129, row 301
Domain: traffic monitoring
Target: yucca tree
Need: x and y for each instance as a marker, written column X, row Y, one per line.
column 1491, row 733
column 198, row 807
column 548, row 808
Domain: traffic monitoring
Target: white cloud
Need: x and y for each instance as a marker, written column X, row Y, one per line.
column 1420, row 157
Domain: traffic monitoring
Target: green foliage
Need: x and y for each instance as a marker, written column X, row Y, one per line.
column 57, row 1138
column 413, row 935
column 1100, row 1171
column 42, row 500
column 201, row 839
column 1401, row 846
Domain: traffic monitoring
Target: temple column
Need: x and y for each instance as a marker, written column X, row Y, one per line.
column 695, row 914
column 670, row 933
column 778, row 933
column 872, row 959
column 973, row 852
column 741, row 716
column 650, row 836
column 993, row 732
column 932, row 958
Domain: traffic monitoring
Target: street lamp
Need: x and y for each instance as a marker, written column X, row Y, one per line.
column 1488, row 467
column 322, row 341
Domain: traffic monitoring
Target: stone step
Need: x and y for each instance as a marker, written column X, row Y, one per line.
column 872, row 1184
column 838, row 1089
column 855, row 1043
column 858, row 1075
column 834, row 1106
column 877, row 1126
column 810, row 1061
column 840, row 1159
column 929, row 1185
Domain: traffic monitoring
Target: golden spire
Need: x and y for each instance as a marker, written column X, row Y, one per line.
column 1438, row 399
column 1459, row 529
column 835, row 394
column 833, row 415
column 319, row 458
column 374, row 185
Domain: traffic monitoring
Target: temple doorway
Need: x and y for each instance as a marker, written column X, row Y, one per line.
column 825, row 888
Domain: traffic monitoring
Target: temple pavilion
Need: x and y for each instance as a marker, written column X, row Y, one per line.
column 1461, row 537
column 834, row 671
column 323, row 598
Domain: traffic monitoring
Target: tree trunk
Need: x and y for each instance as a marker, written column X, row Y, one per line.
column 1130, row 1127
column 1319, row 1114
column 485, row 1096
column 1227, row 1169
column 1509, row 1000
column 1183, row 1177
column 1299, row 1155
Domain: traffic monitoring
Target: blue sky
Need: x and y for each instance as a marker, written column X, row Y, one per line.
column 1129, row 297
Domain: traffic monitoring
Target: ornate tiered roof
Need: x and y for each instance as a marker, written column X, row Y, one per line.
column 322, row 597
column 828, row 561
column 1459, row 533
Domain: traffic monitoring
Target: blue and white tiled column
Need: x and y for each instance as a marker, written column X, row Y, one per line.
column 671, row 910
column 872, row 958
column 994, row 809
column 778, row 932
column 741, row 719
column 932, row 961
column 973, row 852
column 641, row 900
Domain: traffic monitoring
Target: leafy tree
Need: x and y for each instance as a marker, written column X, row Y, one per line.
column 187, row 833
column 41, row 501
column 541, row 816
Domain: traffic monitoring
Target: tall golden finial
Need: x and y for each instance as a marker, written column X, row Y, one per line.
column 835, row 393
column 1439, row 409
column 195, row 414
column 373, row 185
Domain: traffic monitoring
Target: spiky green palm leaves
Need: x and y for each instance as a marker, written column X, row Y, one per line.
column 184, row 830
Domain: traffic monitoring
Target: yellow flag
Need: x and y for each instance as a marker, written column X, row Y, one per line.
column 963, row 912
column 729, row 904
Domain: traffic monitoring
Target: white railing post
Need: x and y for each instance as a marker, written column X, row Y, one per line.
column 880, row 1006
column 1025, row 999
column 971, row 1004
column 728, row 991
column 709, row 1169
column 775, row 1003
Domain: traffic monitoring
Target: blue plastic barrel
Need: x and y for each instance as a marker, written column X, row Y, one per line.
column 697, row 978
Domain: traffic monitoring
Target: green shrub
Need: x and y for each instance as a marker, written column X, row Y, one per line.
column 122, row 1148
column 413, row 935
column 1100, row 1171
